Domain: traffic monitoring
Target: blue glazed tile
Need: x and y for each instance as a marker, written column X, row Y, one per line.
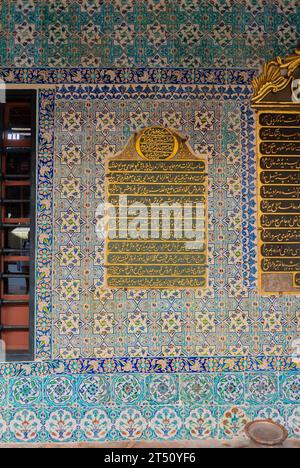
column 166, row 422
column 95, row 424
column 162, row 389
column 26, row 425
column 262, row 388
column 232, row 421
column 196, row 389
column 127, row 389
column 61, row 424
column 229, row 388
column 60, row 390
column 25, row 391
column 290, row 388
column 130, row 423
column 200, row 422
column 94, row 389
column 275, row 413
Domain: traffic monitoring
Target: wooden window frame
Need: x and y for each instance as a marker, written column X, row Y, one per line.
column 16, row 96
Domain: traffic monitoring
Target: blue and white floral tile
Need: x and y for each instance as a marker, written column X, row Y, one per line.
column 26, row 425
column 196, row 389
column 275, row 413
column 290, row 388
column 60, row 390
column 232, row 421
column 162, row 389
column 229, row 389
column 262, row 388
column 61, row 424
column 95, row 424
column 293, row 420
column 25, row 391
column 128, row 389
column 166, row 422
column 94, row 390
column 200, row 422
column 130, row 423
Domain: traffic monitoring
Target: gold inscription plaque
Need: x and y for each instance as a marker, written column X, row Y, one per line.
column 157, row 215
column 279, row 200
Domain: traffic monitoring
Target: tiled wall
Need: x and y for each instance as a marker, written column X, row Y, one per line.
column 189, row 364
column 62, row 408
column 133, row 33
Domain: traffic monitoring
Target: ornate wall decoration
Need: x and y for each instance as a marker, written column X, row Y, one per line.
column 278, row 149
column 277, row 75
column 106, row 359
column 161, row 34
column 156, row 213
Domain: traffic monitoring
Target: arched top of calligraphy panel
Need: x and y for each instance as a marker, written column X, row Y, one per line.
column 158, row 143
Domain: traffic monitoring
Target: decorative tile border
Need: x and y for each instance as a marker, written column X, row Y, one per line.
column 63, row 408
column 45, row 176
column 59, row 76
column 44, row 225
column 154, row 91
column 155, row 365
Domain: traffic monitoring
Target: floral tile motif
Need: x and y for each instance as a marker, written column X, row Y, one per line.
column 4, row 426
column 94, row 407
column 26, row 425
column 26, row 391
column 94, row 390
column 3, row 392
column 162, row 389
column 196, row 389
column 61, row 424
column 166, row 423
column 262, row 388
column 60, row 390
column 229, row 389
column 233, row 421
column 293, row 421
column 276, row 413
column 128, row 389
column 130, row 423
column 201, row 422
column 95, row 424
column 290, row 388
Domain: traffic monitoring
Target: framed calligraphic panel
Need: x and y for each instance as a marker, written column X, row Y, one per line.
column 156, row 214
column 277, row 102
column 279, row 200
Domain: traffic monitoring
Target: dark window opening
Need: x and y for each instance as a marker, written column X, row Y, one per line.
column 17, row 178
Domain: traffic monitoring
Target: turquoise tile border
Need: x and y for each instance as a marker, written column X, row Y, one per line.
column 131, row 412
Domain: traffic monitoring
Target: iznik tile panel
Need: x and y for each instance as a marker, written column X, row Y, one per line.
column 146, row 33
column 187, row 364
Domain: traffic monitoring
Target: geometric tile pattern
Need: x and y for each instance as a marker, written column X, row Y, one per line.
column 147, row 365
column 141, row 33
column 227, row 319
column 64, row 408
